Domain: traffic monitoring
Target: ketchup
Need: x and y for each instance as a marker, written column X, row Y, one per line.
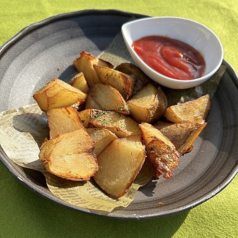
column 170, row 57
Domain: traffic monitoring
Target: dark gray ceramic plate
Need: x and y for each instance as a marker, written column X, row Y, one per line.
column 32, row 57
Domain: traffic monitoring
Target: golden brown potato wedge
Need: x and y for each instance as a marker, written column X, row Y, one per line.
column 177, row 133
column 108, row 98
column 188, row 145
column 102, row 137
column 57, row 94
column 88, row 114
column 131, row 69
column 70, row 156
column 193, row 111
column 140, row 78
column 118, row 80
column 148, row 105
column 85, row 64
column 63, row 120
column 91, row 103
column 119, row 164
column 160, row 151
column 117, row 123
column 182, row 135
column 79, row 81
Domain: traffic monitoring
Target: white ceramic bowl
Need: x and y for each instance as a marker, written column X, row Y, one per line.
column 193, row 33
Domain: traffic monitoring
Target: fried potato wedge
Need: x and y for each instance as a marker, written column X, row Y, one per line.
column 140, row 78
column 87, row 115
column 160, row 151
column 91, row 103
column 194, row 111
column 63, row 120
column 148, row 105
column 188, row 145
column 117, row 171
column 79, row 81
column 102, row 137
column 118, row 80
column 85, row 64
column 117, row 123
column 182, row 135
column 57, row 93
column 108, row 98
column 70, row 156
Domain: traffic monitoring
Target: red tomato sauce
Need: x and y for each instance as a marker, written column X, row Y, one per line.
column 170, row 57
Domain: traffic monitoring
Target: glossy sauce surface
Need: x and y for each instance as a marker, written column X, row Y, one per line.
column 170, row 57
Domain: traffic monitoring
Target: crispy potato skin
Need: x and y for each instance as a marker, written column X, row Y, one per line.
column 148, row 105
column 160, row 151
column 131, row 69
column 140, row 79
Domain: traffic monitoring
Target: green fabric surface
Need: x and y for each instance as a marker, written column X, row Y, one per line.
column 24, row 213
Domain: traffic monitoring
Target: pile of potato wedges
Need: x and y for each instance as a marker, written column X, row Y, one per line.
column 106, row 122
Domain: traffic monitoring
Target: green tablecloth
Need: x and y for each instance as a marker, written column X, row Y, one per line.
column 24, row 213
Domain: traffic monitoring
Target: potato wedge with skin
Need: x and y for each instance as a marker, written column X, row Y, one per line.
column 182, row 135
column 88, row 114
column 118, row 80
column 140, row 78
column 188, row 145
column 75, row 167
column 108, row 98
column 148, row 105
column 194, row 111
column 117, row 123
column 177, row 133
column 57, row 94
column 78, row 141
column 70, row 156
column 102, row 137
column 117, row 171
column 79, row 81
column 85, row 64
column 91, row 104
column 63, row 120
column 160, row 151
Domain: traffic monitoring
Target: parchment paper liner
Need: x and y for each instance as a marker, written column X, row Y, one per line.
column 22, row 131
